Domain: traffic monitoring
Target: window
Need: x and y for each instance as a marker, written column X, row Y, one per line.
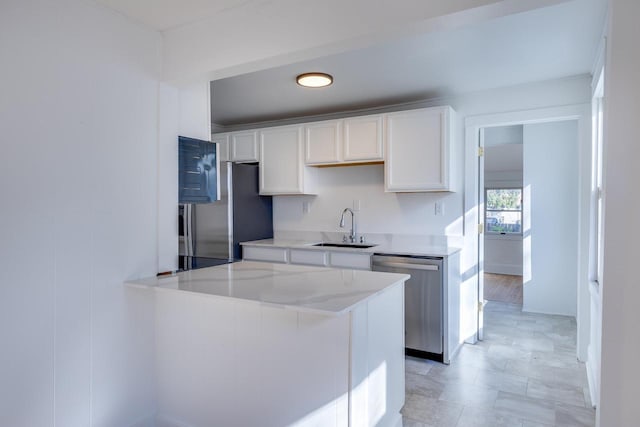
column 503, row 210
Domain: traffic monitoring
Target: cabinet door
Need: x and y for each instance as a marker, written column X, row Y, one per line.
column 304, row 257
column 351, row 260
column 258, row 253
column 323, row 142
column 222, row 139
column 417, row 150
column 281, row 161
column 244, row 146
column 363, row 138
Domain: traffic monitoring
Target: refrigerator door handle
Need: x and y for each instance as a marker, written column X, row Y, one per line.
column 431, row 267
column 188, row 227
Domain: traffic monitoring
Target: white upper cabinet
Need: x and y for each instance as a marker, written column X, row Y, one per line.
column 323, row 142
column 352, row 140
column 282, row 169
column 363, row 139
column 222, row 139
column 244, row 146
column 418, row 150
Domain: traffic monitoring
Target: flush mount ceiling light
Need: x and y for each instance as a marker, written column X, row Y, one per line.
column 314, row 79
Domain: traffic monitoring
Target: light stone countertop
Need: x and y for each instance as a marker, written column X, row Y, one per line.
column 318, row 290
column 393, row 248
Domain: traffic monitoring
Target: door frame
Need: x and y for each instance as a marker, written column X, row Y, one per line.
column 472, row 215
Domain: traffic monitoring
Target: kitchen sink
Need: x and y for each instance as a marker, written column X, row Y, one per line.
column 344, row 245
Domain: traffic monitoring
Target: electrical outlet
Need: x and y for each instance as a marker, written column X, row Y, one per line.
column 439, row 209
column 306, row 207
column 356, row 205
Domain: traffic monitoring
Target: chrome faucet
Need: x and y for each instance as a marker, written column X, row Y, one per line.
column 352, row 234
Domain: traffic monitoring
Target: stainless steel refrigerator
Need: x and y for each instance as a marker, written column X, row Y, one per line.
column 210, row 233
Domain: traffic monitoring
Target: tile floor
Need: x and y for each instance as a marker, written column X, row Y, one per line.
column 524, row 374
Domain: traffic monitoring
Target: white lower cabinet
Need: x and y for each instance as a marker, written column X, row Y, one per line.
column 349, row 260
column 261, row 253
column 299, row 256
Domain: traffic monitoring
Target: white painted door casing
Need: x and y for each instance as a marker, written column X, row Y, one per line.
column 418, row 150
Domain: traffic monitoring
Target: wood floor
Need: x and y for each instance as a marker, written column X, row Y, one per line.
column 503, row 288
column 524, row 374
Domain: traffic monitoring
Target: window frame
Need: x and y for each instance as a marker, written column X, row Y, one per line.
column 486, row 209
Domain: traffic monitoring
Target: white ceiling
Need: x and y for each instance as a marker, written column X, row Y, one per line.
column 165, row 14
column 552, row 42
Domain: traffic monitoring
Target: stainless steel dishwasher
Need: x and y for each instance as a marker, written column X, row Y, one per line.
column 423, row 305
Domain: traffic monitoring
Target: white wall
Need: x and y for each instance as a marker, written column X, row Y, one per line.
column 78, row 114
column 620, row 290
column 550, row 223
column 380, row 212
column 183, row 110
column 414, row 213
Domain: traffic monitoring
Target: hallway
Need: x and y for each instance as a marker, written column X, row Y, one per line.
column 524, row 374
column 503, row 288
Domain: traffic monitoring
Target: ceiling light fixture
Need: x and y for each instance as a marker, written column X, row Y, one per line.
column 314, row 79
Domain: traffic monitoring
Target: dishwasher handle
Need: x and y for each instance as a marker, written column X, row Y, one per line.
column 408, row 266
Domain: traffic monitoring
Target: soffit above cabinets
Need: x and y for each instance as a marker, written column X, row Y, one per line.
column 547, row 43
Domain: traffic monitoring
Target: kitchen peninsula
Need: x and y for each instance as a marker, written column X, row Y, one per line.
column 255, row 343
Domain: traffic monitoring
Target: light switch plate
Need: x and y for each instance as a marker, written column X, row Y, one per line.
column 306, row 207
column 356, row 205
column 439, row 209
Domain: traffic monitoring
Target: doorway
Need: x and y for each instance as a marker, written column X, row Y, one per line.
column 540, row 285
column 503, row 178
column 531, row 225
